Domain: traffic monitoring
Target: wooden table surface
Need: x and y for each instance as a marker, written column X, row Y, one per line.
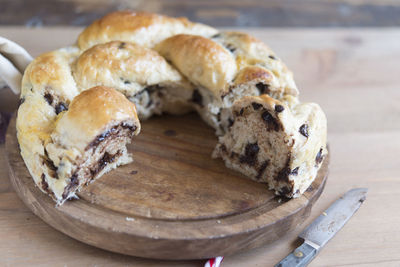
column 218, row 13
column 353, row 74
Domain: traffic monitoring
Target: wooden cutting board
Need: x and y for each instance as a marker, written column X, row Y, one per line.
column 172, row 202
column 351, row 73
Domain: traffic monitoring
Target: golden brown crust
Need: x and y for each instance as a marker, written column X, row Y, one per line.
column 42, row 133
column 247, row 49
column 99, row 105
column 134, row 54
column 203, row 61
column 51, row 73
column 264, row 99
column 91, row 112
column 252, row 73
column 252, row 55
column 138, row 27
column 124, row 66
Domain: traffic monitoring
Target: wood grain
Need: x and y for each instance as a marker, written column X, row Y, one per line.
column 173, row 202
column 221, row 13
column 352, row 74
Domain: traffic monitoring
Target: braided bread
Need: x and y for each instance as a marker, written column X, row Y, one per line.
column 81, row 105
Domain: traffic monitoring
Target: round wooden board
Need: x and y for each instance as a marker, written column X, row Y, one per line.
column 172, row 202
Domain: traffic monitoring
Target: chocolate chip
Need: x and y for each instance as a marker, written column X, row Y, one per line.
column 256, row 105
column 133, row 172
column 45, row 185
column 263, row 88
column 272, row 57
column 219, row 116
column 319, row 157
column 103, row 162
column 230, row 47
column 270, row 121
column 279, row 108
column 113, row 131
column 169, row 133
column 197, row 98
column 127, row 126
column 127, row 82
column 250, row 154
column 49, row 98
column 230, row 122
column 100, row 138
column 284, row 191
column 295, row 171
column 252, row 149
column 241, row 111
column 234, row 155
column 262, row 169
column 283, row 174
column 106, row 159
column 149, row 103
column 304, row 130
column 61, row 107
column 227, row 92
column 266, row 116
column 73, row 183
column 223, row 148
column 50, row 165
column 122, row 45
column 152, row 88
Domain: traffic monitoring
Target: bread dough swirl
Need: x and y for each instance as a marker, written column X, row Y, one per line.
column 81, row 105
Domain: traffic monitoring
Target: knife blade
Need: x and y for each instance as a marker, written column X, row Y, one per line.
column 322, row 229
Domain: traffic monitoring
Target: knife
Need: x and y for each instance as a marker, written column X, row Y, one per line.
column 321, row 230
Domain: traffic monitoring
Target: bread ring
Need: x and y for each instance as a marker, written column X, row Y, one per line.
column 81, row 105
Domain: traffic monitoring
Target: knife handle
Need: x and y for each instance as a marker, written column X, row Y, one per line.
column 301, row 256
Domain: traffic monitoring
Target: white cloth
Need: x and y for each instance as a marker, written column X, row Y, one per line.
column 13, row 61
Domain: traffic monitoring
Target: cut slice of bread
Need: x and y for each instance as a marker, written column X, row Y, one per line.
column 281, row 143
column 89, row 139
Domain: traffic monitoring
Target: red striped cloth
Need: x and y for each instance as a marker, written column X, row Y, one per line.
column 214, row 262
